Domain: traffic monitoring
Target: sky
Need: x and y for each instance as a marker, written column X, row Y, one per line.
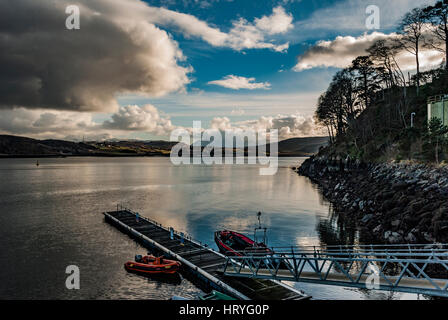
column 141, row 69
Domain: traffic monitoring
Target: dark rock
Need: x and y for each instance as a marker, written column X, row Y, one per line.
column 382, row 199
column 395, row 223
column 411, row 238
column 367, row 218
column 393, row 237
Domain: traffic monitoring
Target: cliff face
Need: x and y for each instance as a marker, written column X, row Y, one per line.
column 392, row 203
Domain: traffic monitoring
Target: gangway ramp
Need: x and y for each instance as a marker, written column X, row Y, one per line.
column 421, row 269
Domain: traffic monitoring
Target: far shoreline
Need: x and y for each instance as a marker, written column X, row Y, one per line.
column 121, row 156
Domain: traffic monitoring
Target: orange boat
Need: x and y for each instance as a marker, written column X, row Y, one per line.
column 151, row 265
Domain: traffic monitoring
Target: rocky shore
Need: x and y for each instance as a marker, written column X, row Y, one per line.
column 390, row 202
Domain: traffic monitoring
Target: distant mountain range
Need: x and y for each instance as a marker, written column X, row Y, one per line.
column 301, row 147
column 14, row 146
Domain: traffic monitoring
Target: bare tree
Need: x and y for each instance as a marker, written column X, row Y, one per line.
column 383, row 54
column 337, row 108
column 437, row 16
column 411, row 30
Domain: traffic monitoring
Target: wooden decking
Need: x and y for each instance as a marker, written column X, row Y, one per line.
column 199, row 261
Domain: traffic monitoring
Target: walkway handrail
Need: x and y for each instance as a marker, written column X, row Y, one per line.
column 407, row 268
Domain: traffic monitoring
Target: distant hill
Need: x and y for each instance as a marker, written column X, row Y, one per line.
column 301, row 147
column 21, row 146
column 14, row 146
column 295, row 147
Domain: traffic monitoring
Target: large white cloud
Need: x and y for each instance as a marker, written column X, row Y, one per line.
column 39, row 123
column 242, row 35
column 278, row 22
column 341, row 51
column 134, row 118
column 288, row 126
column 73, row 125
column 237, row 82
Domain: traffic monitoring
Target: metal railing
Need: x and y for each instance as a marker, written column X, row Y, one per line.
column 405, row 268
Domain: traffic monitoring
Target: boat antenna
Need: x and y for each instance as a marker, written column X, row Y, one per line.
column 264, row 240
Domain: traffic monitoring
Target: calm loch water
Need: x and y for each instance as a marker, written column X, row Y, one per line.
column 50, row 217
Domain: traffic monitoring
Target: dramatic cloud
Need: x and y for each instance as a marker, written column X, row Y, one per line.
column 236, row 83
column 342, row 51
column 242, row 35
column 75, row 125
column 116, row 50
column 128, row 120
column 288, row 126
column 46, row 124
column 135, row 118
column 339, row 52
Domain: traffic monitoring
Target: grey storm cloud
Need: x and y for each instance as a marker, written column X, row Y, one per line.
column 44, row 65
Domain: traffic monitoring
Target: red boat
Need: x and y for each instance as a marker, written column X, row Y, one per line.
column 151, row 265
column 232, row 243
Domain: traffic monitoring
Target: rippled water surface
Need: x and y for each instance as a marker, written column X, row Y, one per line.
column 50, row 217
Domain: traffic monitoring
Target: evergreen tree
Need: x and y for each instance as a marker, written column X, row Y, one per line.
column 435, row 139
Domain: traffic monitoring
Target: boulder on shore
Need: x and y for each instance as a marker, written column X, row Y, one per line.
column 397, row 203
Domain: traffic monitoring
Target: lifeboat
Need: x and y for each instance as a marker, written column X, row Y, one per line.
column 149, row 265
column 232, row 243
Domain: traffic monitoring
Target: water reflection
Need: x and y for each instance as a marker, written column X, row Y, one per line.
column 334, row 230
column 51, row 215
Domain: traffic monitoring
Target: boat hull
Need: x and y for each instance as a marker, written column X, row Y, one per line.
column 252, row 249
column 233, row 243
column 150, row 265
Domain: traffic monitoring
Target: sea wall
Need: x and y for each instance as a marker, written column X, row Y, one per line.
column 389, row 202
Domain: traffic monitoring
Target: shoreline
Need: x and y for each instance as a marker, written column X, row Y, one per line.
column 81, row 156
column 115, row 156
column 389, row 202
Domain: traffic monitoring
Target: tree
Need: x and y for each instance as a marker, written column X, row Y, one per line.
column 383, row 54
column 366, row 78
column 411, row 30
column 344, row 84
column 336, row 108
column 435, row 138
column 324, row 116
column 330, row 109
column 437, row 16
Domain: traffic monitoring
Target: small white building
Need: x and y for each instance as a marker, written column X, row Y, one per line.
column 438, row 108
